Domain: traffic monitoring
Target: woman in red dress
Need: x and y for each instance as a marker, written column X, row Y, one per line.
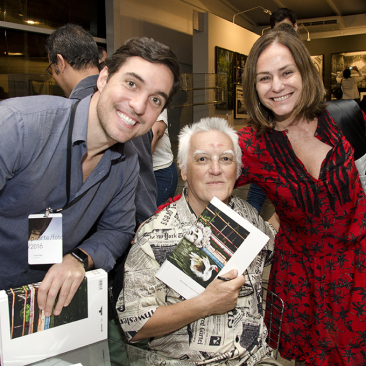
column 297, row 154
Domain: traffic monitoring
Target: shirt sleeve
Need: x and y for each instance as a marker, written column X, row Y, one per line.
column 163, row 116
column 115, row 227
column 11, row 140
column 142, row 292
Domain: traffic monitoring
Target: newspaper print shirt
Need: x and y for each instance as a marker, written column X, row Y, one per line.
column 233, row 338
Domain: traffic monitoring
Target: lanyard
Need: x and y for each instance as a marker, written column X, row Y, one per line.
column 68, row 165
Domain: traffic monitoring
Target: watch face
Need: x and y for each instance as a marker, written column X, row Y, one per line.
column 80, row 256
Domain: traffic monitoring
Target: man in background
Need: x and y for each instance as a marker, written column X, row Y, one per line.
column 102, row 54
column 89, row 174
column 283, row 15
column 73, row 57
column 74, row 60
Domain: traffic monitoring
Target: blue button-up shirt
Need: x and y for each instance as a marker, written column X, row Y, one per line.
column 33, row 143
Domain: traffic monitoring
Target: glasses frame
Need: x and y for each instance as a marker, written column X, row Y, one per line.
column 48, row 69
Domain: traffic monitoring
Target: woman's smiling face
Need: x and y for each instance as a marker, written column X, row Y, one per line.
column 278, row 81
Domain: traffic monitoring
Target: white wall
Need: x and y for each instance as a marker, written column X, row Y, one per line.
column 171, row 14
column 171, row 22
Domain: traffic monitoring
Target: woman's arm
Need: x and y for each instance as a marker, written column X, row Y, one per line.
column 158, row 130
column 218, row 298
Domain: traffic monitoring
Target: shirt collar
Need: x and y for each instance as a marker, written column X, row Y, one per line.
column 81, row 121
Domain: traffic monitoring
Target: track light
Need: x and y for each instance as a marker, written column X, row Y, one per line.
column 244, row 11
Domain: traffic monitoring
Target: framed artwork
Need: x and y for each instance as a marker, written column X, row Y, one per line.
column 224, row 65
column 318, row 61
column 240, row 111
column 343, row 60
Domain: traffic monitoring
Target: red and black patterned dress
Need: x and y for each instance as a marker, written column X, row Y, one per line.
column 319, row 267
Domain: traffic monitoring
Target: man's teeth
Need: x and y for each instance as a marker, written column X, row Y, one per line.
column 126, row 119
column 282, row 98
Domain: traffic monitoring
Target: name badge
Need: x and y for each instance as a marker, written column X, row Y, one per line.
column 45, row 238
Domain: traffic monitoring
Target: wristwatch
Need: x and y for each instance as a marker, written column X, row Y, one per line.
column 80, row 256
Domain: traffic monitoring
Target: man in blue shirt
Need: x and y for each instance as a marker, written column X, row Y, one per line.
column 139, row 80
column 73, row 56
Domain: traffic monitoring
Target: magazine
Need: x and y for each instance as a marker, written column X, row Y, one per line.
column 218, row 242
column 27, row 336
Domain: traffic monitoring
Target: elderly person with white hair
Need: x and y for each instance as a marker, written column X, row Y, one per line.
column 224, row 324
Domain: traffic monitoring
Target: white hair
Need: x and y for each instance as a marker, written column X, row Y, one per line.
column 206, row 125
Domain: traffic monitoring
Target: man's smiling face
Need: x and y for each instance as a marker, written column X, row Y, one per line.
column 132, row 99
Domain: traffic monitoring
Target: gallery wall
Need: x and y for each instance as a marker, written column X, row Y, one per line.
column 327, row 46
column 171, row 22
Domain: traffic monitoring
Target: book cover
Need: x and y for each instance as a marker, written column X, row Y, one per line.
column 219, row 241
column 27, row 336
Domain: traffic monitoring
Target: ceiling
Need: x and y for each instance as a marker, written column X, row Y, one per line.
column 322, row 18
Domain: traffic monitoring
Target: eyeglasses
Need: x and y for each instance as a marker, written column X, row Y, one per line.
column 49, row 70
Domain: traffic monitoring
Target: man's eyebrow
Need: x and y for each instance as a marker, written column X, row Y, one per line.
column 138, row 77
column 228, row 152
column 199, row 152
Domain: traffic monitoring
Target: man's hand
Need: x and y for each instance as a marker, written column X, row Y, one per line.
column 63, row 278
column 221, row 296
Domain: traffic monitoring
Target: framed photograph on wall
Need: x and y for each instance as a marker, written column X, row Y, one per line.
column 224, row 65
column 341, row 61
column 318, row 61
column 240, row 111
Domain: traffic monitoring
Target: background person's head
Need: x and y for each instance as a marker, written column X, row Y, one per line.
column 283, row 15
column 347, row 73
column 288, row 28
column 76, row 46
column 311, row 99
column 102, row 54
column 73, row 55
column 209, row 157
column 151, row 51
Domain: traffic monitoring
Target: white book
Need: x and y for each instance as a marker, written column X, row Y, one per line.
column 26, row 336
column 218, row 242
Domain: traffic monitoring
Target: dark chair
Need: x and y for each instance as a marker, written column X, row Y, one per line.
column 273, row 308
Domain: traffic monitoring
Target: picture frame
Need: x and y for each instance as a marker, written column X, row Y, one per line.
column 240, row 110
column 340, row 61
column 224, row 60
column 318, row 61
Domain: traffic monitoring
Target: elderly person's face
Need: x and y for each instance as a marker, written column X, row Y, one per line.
column 211, row 169
column 278, row 81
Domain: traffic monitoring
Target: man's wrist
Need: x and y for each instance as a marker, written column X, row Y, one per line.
column 80, row 256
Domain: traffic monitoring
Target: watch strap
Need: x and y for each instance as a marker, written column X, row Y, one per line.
column 80, row 256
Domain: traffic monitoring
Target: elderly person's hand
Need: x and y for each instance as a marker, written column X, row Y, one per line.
column 221, row 296
column 218, row 298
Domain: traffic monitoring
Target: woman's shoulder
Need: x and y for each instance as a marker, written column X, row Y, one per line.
column 247, row 131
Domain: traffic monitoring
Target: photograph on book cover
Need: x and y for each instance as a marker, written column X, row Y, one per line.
column 209, row 245
column 220, row 240
column 25, row 317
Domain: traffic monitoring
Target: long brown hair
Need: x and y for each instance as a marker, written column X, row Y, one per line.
column 312, row 100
